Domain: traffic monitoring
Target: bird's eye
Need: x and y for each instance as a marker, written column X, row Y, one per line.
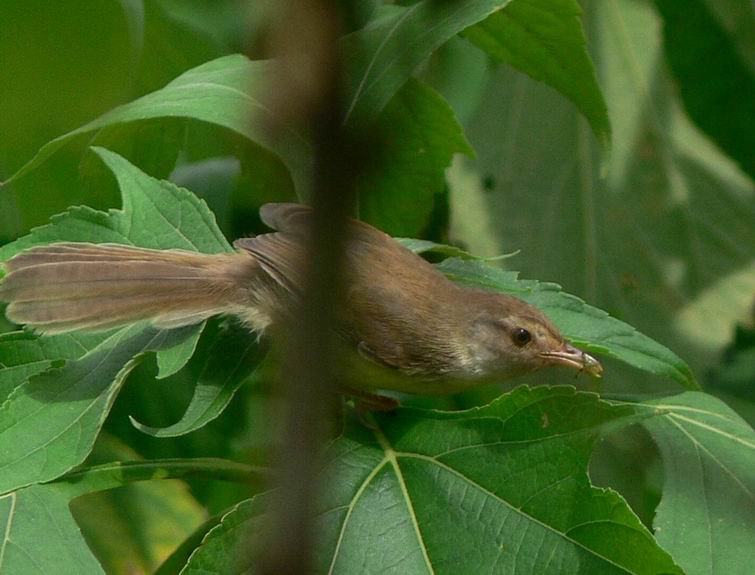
column 521, row 336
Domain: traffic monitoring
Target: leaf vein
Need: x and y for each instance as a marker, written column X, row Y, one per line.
column 489, row 493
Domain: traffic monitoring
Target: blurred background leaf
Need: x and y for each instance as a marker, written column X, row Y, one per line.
column 544, row 39
column 133, row 528
column 665, row 241
column 63, row 64
column 715, row 69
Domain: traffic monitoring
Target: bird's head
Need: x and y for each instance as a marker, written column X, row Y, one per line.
column 508, row 336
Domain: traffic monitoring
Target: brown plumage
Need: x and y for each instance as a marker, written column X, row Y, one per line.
column 414, row 329
column 67, row 286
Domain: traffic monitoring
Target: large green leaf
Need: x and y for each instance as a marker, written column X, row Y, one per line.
column 241, row 528
column 50, row 421
column 40, row 536
column 665, row 240
column 545, row 40
column 416, row 136
column 716, row 82
column 584, row 325
column 501, row 488
column 706, row 518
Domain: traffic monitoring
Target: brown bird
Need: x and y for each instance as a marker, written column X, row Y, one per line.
column 414, row 330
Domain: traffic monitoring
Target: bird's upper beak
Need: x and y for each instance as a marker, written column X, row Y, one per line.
column 570, row 356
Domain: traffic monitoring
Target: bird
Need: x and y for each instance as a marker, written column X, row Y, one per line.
column 404, row 325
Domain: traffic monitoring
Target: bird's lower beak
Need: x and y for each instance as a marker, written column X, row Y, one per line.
column 575, row 358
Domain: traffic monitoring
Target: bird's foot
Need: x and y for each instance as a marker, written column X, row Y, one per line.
column 366, row 402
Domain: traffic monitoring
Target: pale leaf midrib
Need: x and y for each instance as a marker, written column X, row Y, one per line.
column 509, row 505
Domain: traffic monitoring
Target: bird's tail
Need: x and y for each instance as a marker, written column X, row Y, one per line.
column 69, row 286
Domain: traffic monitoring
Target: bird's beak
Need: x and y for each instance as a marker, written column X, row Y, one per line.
column 570, row 356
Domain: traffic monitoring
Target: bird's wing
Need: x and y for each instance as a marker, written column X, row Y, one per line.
column 387, row 287
column 288, row 218
column 280, row 255
column 294, row 219
column 369, row 354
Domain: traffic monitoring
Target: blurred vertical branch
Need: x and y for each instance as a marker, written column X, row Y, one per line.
column 308, row 93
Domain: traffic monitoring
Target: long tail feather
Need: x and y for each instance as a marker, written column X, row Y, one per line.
column 67, row 286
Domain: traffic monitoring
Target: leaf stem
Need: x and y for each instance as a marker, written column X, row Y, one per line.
column 118, row 473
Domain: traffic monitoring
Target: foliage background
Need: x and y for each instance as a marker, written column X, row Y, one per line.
column 659, row 231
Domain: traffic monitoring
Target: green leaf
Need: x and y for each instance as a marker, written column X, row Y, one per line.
column 459, row 71
column 502, row 488
column 706, row 518
column 225, row 92
column 60, row 75
column 584, row 325
column 545, row 40
column 155, row 214
column 23, row 355
column 221, row 92
column 118, row 473
column 383, row 55
column 78, row 224
column 233, row 531
column 50, row 421
column 416, row 136
column 48, row 424
column 40, row 536
column 222, row 368
column 716, row 82
column 170, row 361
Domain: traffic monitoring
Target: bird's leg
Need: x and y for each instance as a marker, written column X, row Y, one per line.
column 366, row 401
